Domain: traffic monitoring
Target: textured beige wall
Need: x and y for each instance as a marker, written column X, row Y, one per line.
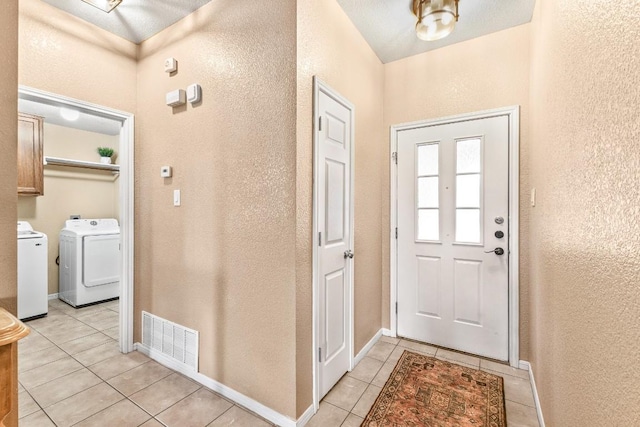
column 479, row 74
column 8, row 144
column 330, row 47
column 63, row 54
column 8, row 176
column 70, row 191
column 585, row 244
column 223, row 263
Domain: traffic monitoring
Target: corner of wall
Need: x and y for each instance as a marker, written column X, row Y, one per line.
column 8, row 138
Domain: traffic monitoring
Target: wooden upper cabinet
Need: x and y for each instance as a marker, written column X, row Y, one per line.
column 30, row 139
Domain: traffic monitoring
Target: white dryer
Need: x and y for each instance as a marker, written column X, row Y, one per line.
column 89, row 261
column 33, row 299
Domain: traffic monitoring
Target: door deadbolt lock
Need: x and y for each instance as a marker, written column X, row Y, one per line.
column 499, row 234
column 497, row 251
column 499, row 220
column 348, row 254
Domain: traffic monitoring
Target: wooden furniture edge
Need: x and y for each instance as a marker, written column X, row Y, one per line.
column 11, row 329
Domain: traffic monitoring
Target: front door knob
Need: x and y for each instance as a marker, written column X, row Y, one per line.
column 348, row 254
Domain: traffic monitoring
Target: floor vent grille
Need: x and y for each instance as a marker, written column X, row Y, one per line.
column 173, row 340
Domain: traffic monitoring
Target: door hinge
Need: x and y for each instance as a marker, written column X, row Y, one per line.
column 396, row 232
column 319, row 354
column 396, row 308
column 394, row 156
column 320, row 123
column 319, row 238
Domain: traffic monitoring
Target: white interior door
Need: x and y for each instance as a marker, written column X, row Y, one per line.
column 333, row 213
column 453, row 231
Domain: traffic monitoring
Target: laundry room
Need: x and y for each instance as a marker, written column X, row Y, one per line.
column 68, row 180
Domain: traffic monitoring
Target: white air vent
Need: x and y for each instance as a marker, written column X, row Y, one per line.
column 173, row 340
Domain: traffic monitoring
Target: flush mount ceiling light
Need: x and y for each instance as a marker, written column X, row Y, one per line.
column 436, row 18
column 69, row 114
column 104, row 5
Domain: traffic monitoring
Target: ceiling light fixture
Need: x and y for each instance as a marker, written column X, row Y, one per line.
column 436, row 18
column 69, row 114
column 104, row 5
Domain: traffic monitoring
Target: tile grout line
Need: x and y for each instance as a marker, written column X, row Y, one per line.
column 103, row 381
column 174, row 404
column 72, row 357
column 73, row 372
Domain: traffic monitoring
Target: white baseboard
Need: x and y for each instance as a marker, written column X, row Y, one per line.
column 527, row 366
column 388, row 333
column 304, row 418
column 53, row 296
column 366, row 348
column 239, row 398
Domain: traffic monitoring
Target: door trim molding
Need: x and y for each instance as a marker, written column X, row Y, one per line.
column 320, row 86
column 513, row 115
column 125, row 156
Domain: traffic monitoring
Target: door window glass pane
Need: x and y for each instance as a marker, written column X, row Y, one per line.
column 468, row 225
column 428, row 192
column 468, row 156
column 428, row 224
column 468, row 191
column 428, row 159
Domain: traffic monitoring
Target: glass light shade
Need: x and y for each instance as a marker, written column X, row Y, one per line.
column 438, row 20
column 104, row 5
column 69, row 114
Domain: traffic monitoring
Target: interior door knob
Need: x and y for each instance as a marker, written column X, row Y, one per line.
column 348, row 254
column 497, row 251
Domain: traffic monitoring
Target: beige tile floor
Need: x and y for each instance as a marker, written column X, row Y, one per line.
column 71, row 373
column 349, row 401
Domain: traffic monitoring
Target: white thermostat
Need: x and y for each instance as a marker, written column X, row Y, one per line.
column 175, row 98
column 194, row 93
column 170, row 65
column 165, row 171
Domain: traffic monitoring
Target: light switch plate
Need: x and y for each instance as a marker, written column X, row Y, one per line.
column 176, row 197
column 533, row 197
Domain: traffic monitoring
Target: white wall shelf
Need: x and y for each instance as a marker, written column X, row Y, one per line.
column 58, row 161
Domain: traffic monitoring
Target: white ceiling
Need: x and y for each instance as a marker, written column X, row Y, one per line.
column 87, row 122
column 134, row 20
column 388, row 25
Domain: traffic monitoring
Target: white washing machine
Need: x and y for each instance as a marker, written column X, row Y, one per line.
column 89, row 261
column 33, row 298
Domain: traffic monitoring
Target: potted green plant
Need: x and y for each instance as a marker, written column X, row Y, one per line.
column 105, row 155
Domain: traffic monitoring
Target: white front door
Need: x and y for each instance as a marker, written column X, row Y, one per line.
column 453, row 231
column 333, row 213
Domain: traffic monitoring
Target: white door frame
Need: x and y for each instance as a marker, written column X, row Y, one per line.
column 125, row 156
column 513, row 115
column 320, row 86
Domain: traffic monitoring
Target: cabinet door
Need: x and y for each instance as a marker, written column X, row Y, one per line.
column 30, row 180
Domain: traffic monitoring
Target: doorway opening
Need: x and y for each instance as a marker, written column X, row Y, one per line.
column 101, row 122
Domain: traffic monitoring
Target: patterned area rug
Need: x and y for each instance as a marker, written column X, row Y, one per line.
column 424, row 391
